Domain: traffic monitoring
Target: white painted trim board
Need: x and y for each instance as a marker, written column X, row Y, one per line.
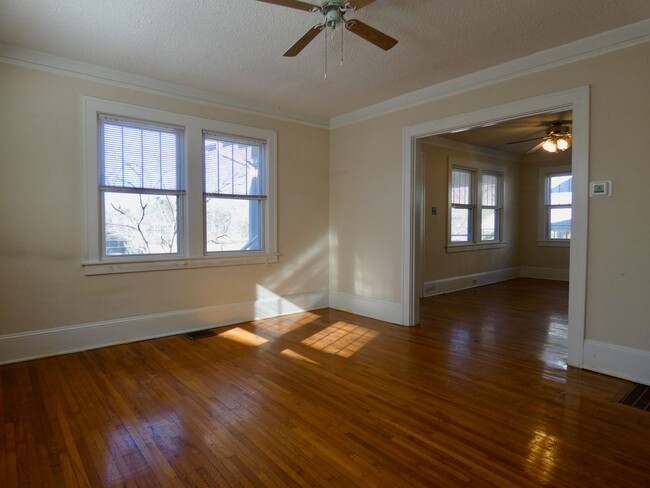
column 619, row 361
column 539, row 273
column 457, row 283
column 62, row 340
column 368, row 307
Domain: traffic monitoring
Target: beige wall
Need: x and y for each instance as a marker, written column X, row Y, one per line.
column 437, row 262
column 531, row 253
column 366, row 190
column 355, row 214
column 42, row 284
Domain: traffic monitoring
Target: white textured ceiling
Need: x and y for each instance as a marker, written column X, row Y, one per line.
column 234, row 47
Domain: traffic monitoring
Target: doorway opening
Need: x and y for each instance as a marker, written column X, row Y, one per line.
column 575, row 101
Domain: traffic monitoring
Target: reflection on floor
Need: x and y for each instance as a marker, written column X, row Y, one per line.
column 478, row 394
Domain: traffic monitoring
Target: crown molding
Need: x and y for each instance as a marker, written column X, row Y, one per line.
column 69, row 67
column 585, row 48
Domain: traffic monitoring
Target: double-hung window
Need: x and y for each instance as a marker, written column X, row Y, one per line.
column 475, row 205
column 234, row 194
column 558, row 199
column 463, row 206
column 141, row 167
column 170, row 191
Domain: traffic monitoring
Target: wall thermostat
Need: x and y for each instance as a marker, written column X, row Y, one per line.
column 600, row 189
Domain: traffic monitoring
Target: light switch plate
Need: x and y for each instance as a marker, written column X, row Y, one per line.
column 600, row 188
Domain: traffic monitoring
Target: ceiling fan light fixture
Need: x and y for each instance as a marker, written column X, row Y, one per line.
column 562, row 144
column 549, row 145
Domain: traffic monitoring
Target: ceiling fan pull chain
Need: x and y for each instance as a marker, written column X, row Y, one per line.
column 342, row 46
column 325, row 77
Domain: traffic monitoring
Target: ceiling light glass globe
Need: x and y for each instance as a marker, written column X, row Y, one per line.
column 562, row 144
column 549, row 145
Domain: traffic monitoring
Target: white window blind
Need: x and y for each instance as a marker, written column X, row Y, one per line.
column 140, row 155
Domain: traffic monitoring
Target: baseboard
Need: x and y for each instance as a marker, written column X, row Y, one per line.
column 620, row 361
column 456, row 283
column 557, row 274
column 61, row 340
column 368, row 307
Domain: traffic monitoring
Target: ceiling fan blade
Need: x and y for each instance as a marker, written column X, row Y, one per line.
column 528, row 140
column 534, row 148
column 371, row 34
column 304, row 40
column 307, row 7
column 357, row 4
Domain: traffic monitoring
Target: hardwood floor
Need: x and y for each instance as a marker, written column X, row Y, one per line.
column 479, row 395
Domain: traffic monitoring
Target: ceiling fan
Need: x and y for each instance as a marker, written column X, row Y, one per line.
column 334, row 17
column 557, row 138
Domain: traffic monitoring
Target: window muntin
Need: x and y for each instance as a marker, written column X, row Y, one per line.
column 475, row 205
column 140, row 186
column 558, row 201
column 234, row 194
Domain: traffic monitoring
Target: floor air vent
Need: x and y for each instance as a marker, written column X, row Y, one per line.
column 639, row 397
column 199, row 334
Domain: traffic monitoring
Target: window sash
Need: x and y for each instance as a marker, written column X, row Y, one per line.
column 549, row 224
column 462, row 187
column 245, row 167
column 129, row 151
column 253, row 242
column 468, row 227
column 549, row 207
column 137, row 227
column 251, row 181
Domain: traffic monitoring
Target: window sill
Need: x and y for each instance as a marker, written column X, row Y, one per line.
column 475, row 246
column 558, row 243
column 130, row 266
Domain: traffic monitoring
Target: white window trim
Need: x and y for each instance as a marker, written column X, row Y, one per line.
column 478, row 168
column 192, row 253
column 542, row 240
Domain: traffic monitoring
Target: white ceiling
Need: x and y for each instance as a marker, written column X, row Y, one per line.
column 234, row 47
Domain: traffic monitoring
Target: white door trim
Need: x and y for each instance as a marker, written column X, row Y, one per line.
column 577, row 100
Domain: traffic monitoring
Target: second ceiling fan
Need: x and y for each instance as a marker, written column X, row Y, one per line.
column 334, row 17
column 557, row 137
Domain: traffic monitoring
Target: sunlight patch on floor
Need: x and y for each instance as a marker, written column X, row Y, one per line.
column 243, row 337
column 341, row 338
column 294, row 355
column 280, row 325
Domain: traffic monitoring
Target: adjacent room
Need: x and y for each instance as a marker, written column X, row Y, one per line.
column 324, row 243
